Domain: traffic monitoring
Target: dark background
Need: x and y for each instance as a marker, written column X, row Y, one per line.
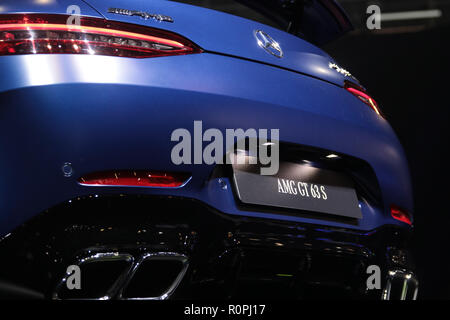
column 406, row 67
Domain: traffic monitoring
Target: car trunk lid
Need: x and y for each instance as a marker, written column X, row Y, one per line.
column 227, row 34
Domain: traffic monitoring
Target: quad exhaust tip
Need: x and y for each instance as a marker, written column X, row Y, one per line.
column 122, row 276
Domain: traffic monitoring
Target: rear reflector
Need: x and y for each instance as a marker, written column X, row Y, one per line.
column 400, row 214
column 49, row 33
column 135, row 179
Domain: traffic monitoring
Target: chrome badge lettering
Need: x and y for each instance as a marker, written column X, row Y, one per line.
column 142, row 14
column 339, row 69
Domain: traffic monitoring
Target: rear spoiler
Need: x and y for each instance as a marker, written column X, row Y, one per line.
column 317, row 21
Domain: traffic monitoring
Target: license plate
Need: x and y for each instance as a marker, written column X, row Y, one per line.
column 298, row 186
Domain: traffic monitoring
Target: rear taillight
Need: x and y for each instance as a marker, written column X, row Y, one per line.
column 46, row 34
column 127, row 178
column 362, row 95
column 400, row 214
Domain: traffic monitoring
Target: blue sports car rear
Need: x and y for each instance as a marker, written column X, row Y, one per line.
column 96, row 99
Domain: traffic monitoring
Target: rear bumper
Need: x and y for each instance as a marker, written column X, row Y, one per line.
column 228, row 257
column 106, row 113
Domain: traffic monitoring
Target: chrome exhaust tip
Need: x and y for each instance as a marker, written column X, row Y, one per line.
column 155, row 276
column 123, row 276
column 400, row 285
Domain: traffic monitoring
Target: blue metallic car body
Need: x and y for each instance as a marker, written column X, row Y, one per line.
column 105, row 113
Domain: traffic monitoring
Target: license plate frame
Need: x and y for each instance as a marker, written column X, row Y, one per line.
column 298, row 186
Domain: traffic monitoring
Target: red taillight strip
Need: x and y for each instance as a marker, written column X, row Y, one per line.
column 362, row 95
column 371, row 102
column 86, row 29
column 127, row 178
column 400, row 215
column 37, row 33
